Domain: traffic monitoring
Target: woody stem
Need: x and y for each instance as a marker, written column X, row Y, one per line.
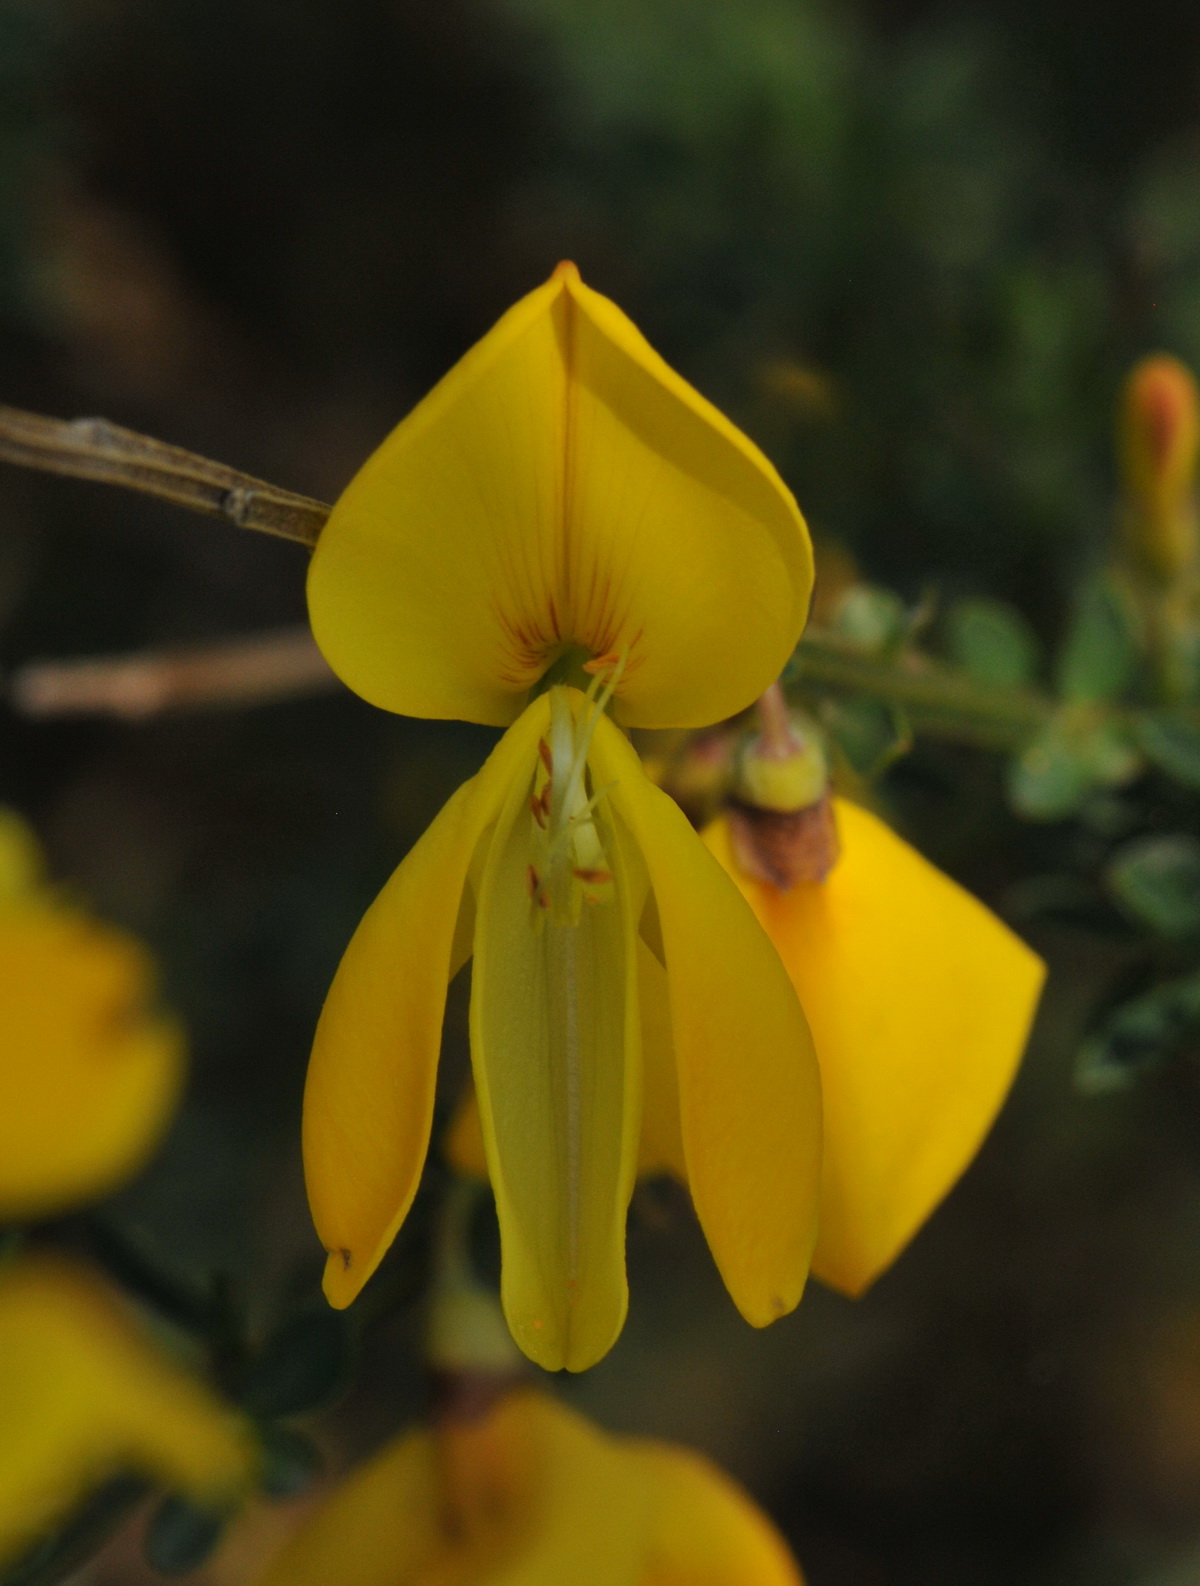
column 938, row 699
column 96, row 449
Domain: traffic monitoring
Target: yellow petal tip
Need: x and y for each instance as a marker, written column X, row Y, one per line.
column 343, row 1280
column 567, row 271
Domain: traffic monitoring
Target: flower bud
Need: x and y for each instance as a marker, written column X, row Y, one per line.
column 783, row 777
column 1159, row 440
column 780, row 821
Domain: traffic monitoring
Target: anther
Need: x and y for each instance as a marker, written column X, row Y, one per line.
column 604, row 663
column 534, row 883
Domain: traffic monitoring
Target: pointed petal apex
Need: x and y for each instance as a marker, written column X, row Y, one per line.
column 368, row 1100
column 920, row 1002
column 562, row 488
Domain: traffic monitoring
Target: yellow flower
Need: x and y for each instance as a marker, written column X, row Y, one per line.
column 562, row 506
column 84, row 1396
column 88, row 1075
column 531, row 1493
column 920, row 1003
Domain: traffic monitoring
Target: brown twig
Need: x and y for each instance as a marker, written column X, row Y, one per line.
column 252, row 671
column 96, row 449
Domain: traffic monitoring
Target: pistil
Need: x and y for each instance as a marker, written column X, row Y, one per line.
column 570, row 871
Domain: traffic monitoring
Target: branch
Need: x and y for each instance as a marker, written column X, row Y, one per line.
column 96, row 449
column 939, row 700
column 252, row 671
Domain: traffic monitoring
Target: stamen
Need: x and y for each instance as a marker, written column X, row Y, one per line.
column 592, row 803
column 614, row 660
column 573, row 866
column 597, row 707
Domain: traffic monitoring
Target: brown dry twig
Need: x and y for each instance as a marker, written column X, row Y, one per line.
column 96, row 449
column 253, row 671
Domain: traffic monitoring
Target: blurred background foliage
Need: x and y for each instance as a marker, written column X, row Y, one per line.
column 914, row 250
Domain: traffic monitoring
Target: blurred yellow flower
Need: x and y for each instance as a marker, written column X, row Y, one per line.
column 531, row 1494
column 563, row 507
column 85, row 1396
column 920, row 1002
column 88, row 1074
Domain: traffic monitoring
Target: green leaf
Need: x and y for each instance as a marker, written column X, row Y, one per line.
column 303, row 1365
column 1140, row 1035
column 1077, row 751
column 1157, row 881
column 1101, row 653
column 181, row 1536
column 992, row 642
column 1171, row 739
column 1180, row 659
column 870, row 733
column 1108, row 750
column 871, row 619
column 1049, row 779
